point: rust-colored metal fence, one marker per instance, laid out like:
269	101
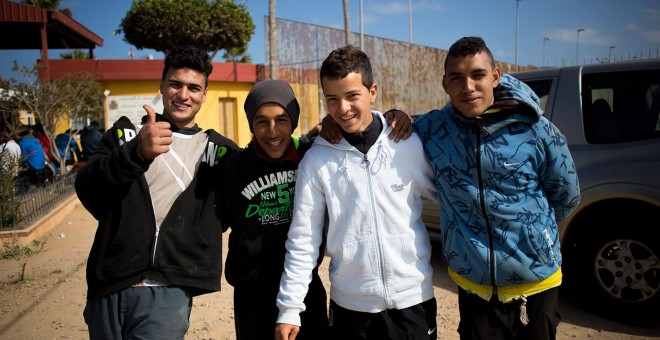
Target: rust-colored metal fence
409	76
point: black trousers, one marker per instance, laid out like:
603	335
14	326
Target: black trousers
481	319
412	323
255	312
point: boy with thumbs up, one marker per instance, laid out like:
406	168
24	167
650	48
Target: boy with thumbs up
151	187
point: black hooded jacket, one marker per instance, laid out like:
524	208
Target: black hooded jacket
188	249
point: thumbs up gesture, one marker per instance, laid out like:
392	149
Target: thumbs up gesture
154	137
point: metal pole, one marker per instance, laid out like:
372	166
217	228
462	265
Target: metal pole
544	54
577	48
516	57
410	20
361	28
609	55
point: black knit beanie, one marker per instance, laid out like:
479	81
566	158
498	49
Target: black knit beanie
272	91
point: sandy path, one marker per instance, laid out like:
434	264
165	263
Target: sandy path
49	305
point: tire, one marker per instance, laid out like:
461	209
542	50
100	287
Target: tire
619	271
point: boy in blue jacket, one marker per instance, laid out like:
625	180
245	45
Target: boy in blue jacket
505	179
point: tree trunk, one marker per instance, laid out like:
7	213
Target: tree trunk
272	38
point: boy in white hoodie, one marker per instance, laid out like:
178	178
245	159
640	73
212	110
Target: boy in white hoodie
371	189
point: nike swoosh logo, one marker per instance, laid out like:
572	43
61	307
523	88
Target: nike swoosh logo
432	330
510	164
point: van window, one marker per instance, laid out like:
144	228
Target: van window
621	106
542	90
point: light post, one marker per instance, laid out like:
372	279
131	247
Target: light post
516	57
544	40
577	48
410	20
609	55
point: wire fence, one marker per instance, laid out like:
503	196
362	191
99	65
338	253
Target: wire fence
25	208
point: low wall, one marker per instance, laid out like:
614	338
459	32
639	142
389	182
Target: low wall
41	227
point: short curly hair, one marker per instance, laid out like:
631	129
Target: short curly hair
345	60
186	56
467	46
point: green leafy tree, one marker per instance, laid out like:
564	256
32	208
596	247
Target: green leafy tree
210	25
55	103
9	168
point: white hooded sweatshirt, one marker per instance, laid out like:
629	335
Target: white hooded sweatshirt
379	248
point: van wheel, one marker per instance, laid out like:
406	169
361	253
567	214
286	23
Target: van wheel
622	273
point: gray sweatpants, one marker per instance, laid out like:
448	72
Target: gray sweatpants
140	313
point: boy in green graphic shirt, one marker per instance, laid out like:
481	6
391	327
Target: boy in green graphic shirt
259	184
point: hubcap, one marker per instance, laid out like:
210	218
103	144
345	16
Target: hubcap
628	271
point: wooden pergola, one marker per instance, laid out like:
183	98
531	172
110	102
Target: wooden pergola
27	27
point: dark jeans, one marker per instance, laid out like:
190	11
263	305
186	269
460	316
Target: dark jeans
140	313
481	319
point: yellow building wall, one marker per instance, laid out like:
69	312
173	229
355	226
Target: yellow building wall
209	117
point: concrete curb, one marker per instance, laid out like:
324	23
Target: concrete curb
43	225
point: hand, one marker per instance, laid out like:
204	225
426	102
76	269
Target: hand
331	131
401	124
284	331
154	137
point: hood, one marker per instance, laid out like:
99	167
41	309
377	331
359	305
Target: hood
511	88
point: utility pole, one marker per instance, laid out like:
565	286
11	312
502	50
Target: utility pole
544	54
516	57
577	47
361	28
410	20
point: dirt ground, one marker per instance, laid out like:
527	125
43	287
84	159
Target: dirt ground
49	304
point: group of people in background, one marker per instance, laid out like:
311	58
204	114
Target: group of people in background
33	158
164	190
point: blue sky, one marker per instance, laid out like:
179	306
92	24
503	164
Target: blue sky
632	26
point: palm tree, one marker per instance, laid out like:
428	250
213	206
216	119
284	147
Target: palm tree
272	38
75	54
236	55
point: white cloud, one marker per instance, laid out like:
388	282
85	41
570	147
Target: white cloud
588	36
502	54
401	7
391	8
567	34
428	5
652	13
653	36
375	9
